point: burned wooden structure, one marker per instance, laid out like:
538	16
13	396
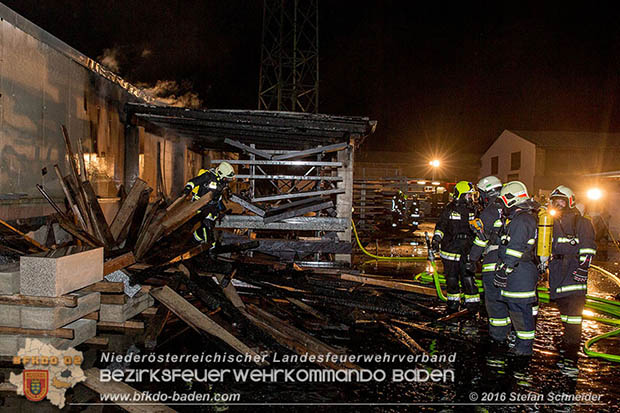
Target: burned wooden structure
295	169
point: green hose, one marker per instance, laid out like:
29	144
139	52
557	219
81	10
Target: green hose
600	305
378	257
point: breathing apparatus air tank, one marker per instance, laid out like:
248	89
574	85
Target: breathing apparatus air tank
545	233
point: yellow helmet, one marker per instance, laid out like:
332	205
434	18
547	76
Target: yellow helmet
462	188
225	170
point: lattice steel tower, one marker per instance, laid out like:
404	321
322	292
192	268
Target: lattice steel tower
289	69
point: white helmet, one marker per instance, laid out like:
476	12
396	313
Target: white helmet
514	193
489	183
564	192
225	170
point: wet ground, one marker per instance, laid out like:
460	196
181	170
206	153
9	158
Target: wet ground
485	378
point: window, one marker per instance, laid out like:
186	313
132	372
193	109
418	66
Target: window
513	177
494	165
515	161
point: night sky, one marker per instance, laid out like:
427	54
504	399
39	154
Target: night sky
436	77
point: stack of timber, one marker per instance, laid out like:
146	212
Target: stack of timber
47	296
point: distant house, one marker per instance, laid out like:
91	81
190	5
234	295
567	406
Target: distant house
545	159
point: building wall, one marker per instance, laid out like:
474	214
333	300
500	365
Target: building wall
503	146
44	84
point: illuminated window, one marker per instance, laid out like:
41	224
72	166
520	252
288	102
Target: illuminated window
494	165
515	161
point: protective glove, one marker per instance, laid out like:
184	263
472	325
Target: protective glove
501	277
580	275
470	266
186	190
435	244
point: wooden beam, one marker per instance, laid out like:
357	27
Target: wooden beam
96	213
390	284
83	236
24	236
105	287
298	212
113	299
59	332
118	263
72	204
200	321
126	211
29	300
126	325
247	205
94	383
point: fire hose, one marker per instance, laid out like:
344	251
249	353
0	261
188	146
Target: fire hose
379	257
597	304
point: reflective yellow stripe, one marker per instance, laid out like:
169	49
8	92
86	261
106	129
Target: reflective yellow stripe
571	319
488	267
449	256
213	185
572	287
535	310
454	297
190	184
526	335
455	215
514	253
196	237
499	322
475	298
518	294
497	223
481	243
439	232
531	241
583	251
566	239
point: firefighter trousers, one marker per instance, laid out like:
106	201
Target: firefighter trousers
571	309
524	325
499	318
454	272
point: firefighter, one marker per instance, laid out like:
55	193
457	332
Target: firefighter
453	238
516	273
486	245
573	249
215	181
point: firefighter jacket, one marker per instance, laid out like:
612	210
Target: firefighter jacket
487	245
516	254
453	230
205	182
573	243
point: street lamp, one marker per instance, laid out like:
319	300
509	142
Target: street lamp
435	163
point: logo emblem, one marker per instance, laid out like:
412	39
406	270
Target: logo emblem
36	384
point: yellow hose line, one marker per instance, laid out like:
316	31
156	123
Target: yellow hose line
607	273
378	257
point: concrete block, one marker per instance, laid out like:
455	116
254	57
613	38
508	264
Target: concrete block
83	330
122	312
56	317
9	279
58	272
39	235
10	315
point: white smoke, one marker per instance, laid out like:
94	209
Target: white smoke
110	58
172	93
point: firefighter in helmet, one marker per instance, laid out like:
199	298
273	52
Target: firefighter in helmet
453	238
486	246
214	181
573	249
516	273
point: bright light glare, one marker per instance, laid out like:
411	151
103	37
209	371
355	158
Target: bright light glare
588	313
594	194
435	183
421	182
552	212
435	163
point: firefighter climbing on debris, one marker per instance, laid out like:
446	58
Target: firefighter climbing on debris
453	237
212	181
573	249
486	246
